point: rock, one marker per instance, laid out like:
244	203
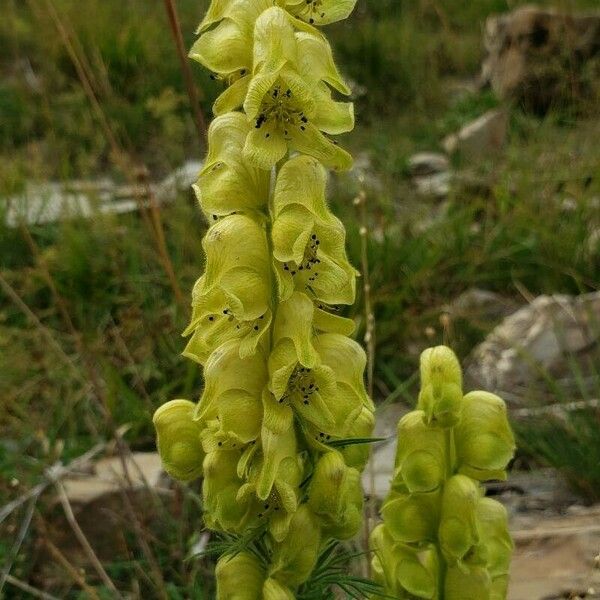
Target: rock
542	58
483	137
98	503
437	185
430	172
52	201
481	306
427	163
107	477
534	344
378	474
554	557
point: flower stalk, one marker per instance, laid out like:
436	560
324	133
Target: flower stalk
284	383
440	537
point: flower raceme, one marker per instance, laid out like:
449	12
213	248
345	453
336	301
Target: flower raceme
440	537
283	379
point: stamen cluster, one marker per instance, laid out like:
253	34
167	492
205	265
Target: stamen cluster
283	379
440	537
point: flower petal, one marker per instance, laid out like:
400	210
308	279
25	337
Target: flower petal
316	61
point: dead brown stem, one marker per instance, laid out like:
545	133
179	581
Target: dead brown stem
192	90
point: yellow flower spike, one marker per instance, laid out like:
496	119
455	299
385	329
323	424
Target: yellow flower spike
473	585
239	577
484	441
178	440
288	99
459	533
421	457
335	496
320	12
410	517
495	537
441	386
231	300
436	508
294	558
232	407
227	183
308	241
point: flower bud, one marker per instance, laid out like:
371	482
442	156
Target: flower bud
178	440
470	584
484	441
412	517
441	386
421	456
239	577
495	537
458	532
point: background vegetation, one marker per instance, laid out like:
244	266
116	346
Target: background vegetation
89	319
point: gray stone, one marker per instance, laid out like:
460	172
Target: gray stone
427	163
42	203
481	306
535	344
540	58
481	138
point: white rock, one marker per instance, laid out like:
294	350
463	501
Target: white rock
483	137
427	163
536	342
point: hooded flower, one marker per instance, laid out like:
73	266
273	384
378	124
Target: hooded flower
459	532
279	505
289	95
225	46
239	577
308	241
178	440
320	12
231	300
231	406
495	538
484	441
421	457
336	497
412	517
220	489
441	386
351	407
473	584
227	183
294	558
404	571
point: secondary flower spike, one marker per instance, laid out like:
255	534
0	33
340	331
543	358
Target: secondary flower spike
440	537
280	433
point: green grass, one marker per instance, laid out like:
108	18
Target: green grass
509	233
